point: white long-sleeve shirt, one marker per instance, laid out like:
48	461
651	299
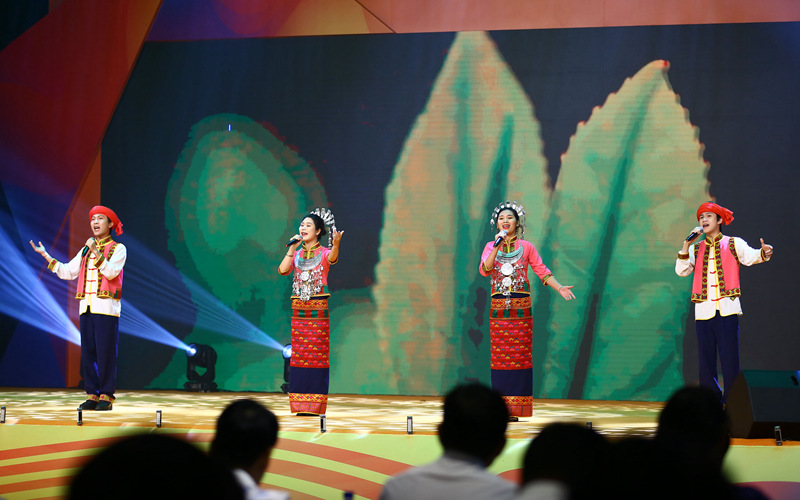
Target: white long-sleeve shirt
726	306
110	268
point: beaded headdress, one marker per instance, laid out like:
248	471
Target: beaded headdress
327	218
517	207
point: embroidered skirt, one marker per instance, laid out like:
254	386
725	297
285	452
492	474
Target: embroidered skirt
511	331
309	367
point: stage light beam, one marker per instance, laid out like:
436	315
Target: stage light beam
133	322
27	299
161	283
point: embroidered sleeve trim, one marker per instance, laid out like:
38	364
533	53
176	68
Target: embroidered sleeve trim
52	264
683	256
105	294
546	278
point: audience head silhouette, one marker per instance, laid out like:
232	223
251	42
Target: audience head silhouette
694	424
475	421
570	454
246	434
154	465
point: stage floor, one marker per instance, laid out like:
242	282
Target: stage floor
346	413
366	440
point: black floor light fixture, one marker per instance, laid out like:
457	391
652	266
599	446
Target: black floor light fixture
200	356
287	357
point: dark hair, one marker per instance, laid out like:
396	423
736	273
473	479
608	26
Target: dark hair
318	224
475	421
694	423
145	464
245	431
569	453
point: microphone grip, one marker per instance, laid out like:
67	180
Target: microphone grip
692	236
292	242
500	238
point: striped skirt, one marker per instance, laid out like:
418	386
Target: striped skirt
309	367
511	331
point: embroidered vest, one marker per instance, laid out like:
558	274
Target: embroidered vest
727	263
107	289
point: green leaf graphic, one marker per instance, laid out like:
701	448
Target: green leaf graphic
234	197
475	143
628	187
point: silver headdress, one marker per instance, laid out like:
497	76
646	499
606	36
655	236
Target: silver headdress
327	218
517	207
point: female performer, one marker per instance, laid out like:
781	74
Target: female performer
309	367
506	260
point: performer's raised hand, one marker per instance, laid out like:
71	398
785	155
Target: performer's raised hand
766	249
92	244
566	292
337	237
696	232
39	249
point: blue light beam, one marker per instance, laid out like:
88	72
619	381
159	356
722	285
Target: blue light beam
133	322
26	298
158	289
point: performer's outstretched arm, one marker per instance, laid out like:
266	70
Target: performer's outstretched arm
333	255
41	251
564	290
68	271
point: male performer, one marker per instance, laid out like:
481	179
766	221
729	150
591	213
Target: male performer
98	267
715	292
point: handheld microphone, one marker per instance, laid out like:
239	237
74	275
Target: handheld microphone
292	242
693	235
499	239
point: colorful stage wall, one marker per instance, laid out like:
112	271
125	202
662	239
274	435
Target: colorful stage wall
610	137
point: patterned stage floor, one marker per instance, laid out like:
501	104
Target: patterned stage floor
365	443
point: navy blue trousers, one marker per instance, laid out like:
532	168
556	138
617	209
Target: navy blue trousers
718	334
99	341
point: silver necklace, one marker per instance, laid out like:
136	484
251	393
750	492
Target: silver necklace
308	264
509	258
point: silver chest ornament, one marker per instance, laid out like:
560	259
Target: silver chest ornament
507	270
308	282
508	277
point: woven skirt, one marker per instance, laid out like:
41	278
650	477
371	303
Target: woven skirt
309	367
511	331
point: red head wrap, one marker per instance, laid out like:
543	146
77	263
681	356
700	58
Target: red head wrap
727	215
99	209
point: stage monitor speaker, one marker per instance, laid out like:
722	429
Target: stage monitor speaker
761	399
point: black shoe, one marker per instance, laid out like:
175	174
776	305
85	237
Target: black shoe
89	404
511	418
105	404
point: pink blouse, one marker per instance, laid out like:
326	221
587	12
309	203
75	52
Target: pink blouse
518	270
